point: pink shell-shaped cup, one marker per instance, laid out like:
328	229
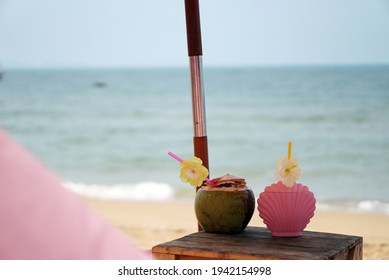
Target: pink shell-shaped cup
286	211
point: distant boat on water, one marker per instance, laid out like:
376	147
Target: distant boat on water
100	84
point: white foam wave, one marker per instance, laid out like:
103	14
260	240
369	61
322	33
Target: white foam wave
362	206
163	191
138	191
373	206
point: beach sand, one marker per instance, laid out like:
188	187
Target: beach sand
148	223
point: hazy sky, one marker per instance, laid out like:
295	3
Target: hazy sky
127	33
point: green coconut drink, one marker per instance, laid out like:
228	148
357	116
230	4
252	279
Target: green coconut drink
227	208
222	205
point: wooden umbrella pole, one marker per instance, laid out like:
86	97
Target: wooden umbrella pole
195	52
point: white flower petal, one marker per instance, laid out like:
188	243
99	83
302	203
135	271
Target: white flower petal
287	171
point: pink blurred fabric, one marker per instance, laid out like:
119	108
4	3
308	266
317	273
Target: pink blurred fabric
40	219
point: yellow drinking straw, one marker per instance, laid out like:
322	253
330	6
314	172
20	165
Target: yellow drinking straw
289	149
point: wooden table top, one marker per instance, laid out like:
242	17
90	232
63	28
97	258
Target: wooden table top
258	243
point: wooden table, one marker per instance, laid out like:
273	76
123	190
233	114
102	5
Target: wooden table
256	243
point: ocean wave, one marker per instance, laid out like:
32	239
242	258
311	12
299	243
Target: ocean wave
362	206
373	206
137	191
157	191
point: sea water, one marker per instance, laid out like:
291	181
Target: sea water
106	133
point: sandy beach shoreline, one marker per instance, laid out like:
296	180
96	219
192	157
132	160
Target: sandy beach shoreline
148	223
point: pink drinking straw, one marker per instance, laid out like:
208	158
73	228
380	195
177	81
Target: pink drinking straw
177	158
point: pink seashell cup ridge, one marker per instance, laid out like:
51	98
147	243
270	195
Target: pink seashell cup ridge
286	211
